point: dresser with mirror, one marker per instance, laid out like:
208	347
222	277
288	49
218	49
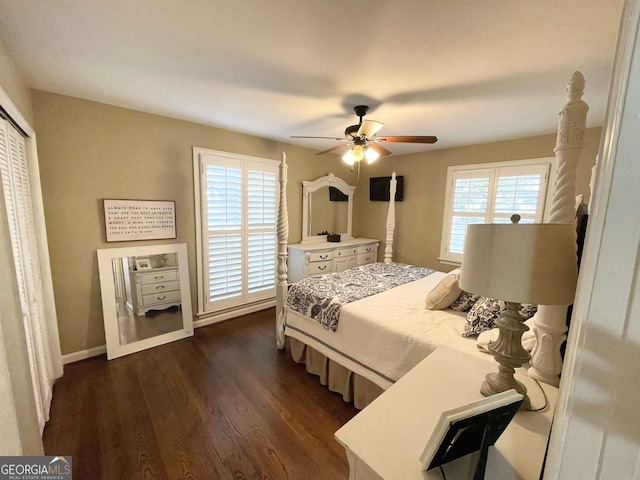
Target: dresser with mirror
327	212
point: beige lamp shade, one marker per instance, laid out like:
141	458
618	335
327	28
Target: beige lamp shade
521	263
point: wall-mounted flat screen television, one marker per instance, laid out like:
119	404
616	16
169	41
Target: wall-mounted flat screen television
379	188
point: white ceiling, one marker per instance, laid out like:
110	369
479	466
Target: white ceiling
467	71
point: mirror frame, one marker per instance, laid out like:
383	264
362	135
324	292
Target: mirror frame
307	189
109	311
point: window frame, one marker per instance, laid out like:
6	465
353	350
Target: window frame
455	171
247	302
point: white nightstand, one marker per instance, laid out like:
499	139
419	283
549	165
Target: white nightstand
386	439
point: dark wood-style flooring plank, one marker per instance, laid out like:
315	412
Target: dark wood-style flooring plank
225	404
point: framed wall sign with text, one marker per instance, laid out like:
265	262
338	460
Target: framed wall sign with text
127	220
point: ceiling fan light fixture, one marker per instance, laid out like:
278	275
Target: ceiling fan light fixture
357	153
348	158
371	155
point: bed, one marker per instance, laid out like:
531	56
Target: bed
375	340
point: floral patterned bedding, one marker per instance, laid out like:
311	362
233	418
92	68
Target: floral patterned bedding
321	298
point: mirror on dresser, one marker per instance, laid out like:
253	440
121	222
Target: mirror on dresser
146	299
327	206
329	211
324	209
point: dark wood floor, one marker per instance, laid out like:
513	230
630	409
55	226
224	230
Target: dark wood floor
225	404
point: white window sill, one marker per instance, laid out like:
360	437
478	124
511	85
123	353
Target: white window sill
446	261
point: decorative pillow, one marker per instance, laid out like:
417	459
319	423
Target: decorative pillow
464	302
482	315
445	292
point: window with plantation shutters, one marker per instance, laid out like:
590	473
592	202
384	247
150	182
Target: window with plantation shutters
237	229
491	193
261	225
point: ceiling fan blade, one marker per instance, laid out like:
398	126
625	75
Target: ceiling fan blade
328	138
333	149
383	152
369	128
407	139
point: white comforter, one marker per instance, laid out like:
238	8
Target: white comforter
383	336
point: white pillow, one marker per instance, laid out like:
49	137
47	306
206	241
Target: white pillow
445	292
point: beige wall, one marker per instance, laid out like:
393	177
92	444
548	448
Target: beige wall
419	216
90	151
15	85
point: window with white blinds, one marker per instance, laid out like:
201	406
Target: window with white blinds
237	228
491	193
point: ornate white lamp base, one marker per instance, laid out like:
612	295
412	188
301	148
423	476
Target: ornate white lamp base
509	353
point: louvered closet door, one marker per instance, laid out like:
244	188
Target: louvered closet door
17	199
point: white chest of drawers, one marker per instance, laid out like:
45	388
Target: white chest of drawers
155	289
306	260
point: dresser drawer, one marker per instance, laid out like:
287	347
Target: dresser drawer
345	252
365	258
366	249
153	288
157	298
320	268
320	256
156	277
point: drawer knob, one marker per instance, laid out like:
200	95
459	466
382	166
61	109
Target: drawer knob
158	277
367	258
159	287
322	267
162	297
324	257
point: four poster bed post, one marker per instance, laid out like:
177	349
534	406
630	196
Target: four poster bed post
549	324
391	219
282	233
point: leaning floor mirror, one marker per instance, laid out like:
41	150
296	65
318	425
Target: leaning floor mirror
146	300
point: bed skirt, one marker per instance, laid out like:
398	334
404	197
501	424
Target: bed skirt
353	387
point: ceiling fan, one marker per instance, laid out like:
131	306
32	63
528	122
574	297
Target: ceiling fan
363	142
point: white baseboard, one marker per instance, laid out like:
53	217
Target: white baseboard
84	354
215	317
206	319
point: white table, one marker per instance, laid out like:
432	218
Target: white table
386	439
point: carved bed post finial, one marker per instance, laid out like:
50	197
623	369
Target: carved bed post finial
572	121
391	220
549	323
282	232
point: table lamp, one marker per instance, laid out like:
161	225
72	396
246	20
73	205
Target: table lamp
518	263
